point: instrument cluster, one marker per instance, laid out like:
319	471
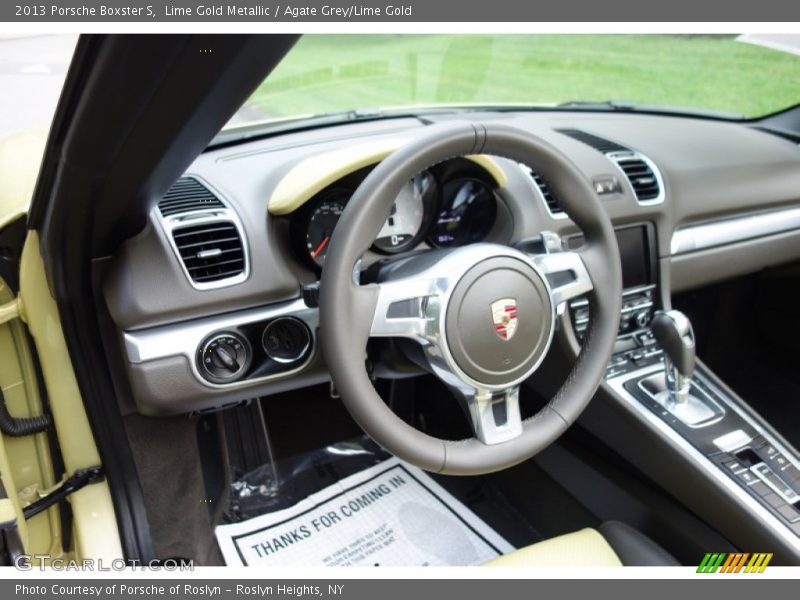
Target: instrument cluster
435	209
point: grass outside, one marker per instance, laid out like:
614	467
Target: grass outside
329	73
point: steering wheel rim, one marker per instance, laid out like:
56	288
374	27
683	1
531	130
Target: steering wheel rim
347	309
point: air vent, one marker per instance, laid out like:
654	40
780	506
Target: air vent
640	171
186	195
546	191
642	178
594	141
211	252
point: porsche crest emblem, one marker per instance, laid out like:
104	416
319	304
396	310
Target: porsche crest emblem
504	317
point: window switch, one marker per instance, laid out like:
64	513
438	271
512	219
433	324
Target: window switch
773	480
792	475
779	461
767	452
760	489
774	500
734	466
789	512
746	477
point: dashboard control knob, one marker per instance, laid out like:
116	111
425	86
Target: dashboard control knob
286	340
224	357
643	318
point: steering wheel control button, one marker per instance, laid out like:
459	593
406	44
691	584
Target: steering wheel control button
286	340
224	357
499	321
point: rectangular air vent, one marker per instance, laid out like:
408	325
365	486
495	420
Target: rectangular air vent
210	252
641	173
549	197
642	178
596	142
186	195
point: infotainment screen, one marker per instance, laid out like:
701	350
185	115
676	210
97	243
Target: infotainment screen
635	254
634	251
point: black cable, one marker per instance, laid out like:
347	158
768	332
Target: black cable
21	426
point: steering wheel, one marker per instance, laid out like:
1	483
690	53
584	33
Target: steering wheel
484	314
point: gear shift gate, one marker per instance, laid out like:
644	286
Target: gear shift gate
674	389
697	410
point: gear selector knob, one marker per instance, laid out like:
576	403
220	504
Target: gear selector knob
673	332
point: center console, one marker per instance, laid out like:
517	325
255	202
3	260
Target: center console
635	345
653	372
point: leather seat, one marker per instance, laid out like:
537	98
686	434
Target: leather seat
613	544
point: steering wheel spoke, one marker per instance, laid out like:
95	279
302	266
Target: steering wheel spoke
495	416
567	274
409	308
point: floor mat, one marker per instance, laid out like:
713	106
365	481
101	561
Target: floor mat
390	514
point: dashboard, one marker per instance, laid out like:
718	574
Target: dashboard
214	301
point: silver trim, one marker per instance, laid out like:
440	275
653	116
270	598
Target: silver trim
732	441
425	297
690	407
184	339
200	217
617	157
617	384
529	176
481	410
430	291
732	230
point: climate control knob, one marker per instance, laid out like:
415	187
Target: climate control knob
224	357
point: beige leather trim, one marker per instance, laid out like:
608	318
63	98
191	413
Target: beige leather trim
584	548
312	175
94	521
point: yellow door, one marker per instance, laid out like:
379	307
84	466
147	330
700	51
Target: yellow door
37	382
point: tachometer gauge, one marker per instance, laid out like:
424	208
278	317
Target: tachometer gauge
321	224
403	228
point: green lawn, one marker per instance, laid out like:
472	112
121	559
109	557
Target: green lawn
326	73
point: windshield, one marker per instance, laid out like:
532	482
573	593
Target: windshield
743	76
32	73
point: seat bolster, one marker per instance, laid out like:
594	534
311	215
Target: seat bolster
584	548
634	548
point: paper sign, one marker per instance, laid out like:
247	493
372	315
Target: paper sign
389	514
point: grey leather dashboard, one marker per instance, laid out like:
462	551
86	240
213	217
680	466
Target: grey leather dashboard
717	176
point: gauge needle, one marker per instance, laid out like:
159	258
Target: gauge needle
321	246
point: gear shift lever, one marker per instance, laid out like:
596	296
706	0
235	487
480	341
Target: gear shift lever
673	332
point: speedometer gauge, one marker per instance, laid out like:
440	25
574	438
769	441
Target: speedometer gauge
403	228
321	224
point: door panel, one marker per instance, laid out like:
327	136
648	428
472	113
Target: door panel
95	530
25	463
